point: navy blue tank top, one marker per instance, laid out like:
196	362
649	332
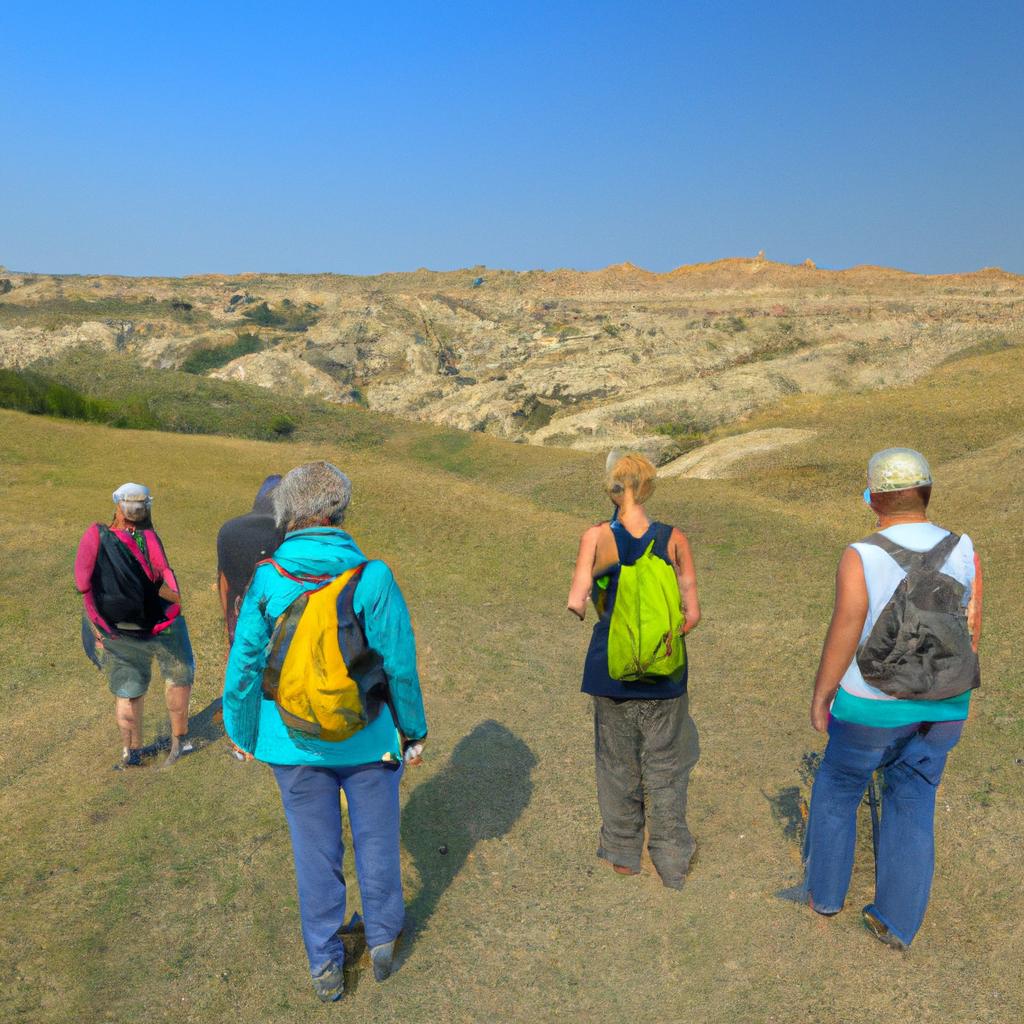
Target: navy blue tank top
596	680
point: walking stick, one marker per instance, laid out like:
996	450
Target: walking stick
873	803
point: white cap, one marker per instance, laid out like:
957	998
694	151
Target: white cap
132	492
897	469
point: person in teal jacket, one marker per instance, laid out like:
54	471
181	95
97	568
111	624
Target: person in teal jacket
310	504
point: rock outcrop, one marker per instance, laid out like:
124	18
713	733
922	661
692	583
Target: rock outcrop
616	357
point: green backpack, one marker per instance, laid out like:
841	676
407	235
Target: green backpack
645	641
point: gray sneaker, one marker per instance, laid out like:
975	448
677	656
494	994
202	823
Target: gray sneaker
180	746
329	984
382	959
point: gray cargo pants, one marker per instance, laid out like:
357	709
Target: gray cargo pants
645	751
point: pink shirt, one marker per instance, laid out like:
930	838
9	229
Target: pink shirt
156	568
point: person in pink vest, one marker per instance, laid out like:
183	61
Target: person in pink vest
132	615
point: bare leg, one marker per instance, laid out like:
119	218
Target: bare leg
177	709
128	711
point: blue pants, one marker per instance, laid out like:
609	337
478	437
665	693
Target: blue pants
312	805
911	759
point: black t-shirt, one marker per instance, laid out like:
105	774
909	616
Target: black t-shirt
241	543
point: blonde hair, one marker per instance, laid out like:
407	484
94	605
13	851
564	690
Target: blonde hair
634	473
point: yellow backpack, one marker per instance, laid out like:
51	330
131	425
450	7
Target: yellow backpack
318	657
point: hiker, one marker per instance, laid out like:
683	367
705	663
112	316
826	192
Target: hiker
892	699
322	685
241	543
133	615
645	740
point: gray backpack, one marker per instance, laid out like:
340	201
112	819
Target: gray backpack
919	647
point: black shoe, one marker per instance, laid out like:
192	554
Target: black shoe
882	933
329	984
131	757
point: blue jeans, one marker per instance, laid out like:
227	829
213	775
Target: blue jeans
911	759
312	805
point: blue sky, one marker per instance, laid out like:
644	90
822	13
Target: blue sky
352	137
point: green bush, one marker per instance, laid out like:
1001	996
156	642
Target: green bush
204	359
282	425
288	317
52	314
125	394
28	392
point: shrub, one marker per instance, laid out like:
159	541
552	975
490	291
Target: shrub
282	425
202	360
28	392
288	318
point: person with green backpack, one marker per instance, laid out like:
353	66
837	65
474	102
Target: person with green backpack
641	576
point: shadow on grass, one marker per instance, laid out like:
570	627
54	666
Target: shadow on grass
204	728
479	794
789	809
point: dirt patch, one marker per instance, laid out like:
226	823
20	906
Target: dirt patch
719	459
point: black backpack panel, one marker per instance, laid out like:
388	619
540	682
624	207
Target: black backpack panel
920	647
121	589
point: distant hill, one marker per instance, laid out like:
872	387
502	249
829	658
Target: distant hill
590	360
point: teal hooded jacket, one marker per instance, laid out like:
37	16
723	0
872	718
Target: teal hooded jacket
254	723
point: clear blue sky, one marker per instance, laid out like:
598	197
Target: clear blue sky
174	138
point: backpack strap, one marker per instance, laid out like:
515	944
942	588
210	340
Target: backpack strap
903	557
907	559
615	525
936	558
297	577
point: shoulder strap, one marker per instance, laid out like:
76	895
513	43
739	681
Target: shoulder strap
907	559
936	558
617	535
903	557
664	534
297	577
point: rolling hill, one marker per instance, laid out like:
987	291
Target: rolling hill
170	896
587	360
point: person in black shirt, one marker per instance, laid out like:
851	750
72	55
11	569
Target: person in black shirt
241	543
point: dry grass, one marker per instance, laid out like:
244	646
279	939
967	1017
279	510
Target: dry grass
170	896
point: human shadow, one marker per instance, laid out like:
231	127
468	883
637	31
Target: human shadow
790	804
204	728
479	794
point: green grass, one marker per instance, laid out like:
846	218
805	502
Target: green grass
210	357
170	896
33	393
185	403
54	313
286	317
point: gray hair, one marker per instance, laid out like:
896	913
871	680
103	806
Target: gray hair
310	494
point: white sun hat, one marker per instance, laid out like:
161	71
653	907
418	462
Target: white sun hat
896	469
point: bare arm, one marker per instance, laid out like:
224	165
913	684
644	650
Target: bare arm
222	589
974	607
686	574
583	575
851	609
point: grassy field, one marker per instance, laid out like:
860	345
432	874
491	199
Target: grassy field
154	896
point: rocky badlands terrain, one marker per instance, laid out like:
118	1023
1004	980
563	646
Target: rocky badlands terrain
592	360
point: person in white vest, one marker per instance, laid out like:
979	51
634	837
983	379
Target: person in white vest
903	720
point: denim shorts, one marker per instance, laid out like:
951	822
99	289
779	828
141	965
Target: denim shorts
128	662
